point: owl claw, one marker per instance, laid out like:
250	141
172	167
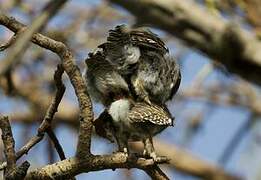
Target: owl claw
156	159
159	159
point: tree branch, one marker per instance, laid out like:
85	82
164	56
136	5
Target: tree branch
12	172
238	50
9	143
72	166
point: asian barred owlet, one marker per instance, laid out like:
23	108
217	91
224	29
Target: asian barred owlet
133	75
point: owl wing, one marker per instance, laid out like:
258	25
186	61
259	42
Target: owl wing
142	112
124	46
102	77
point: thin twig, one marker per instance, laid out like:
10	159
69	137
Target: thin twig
56	143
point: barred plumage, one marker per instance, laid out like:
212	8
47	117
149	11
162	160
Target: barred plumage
140	37
104	83
143	60
142	112
137	121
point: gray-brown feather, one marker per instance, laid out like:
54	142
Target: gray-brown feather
142	58
104	83
159	76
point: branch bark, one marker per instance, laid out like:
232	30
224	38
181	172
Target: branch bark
72	166
9	144
225	42
11	172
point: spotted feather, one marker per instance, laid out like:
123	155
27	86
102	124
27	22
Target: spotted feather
142	112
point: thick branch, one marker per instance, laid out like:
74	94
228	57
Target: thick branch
235	48
74	166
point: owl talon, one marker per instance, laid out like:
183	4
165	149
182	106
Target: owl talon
159	159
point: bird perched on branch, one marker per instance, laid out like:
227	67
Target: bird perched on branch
124	119
133	76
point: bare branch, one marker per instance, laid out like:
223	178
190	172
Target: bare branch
73	166
56	143
12	172
224	42
55	102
